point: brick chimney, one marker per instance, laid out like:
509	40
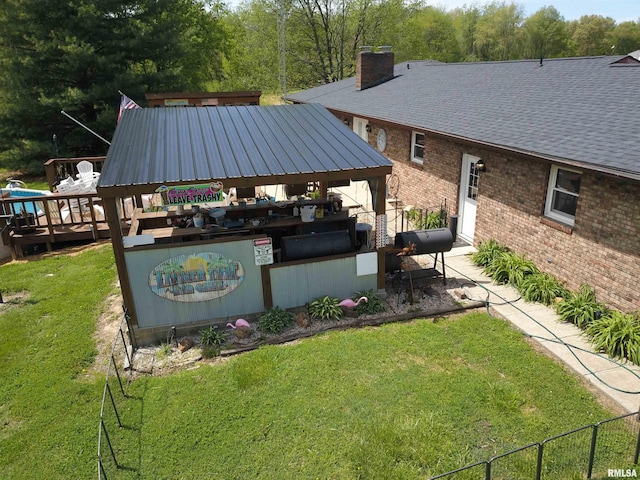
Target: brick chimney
373	68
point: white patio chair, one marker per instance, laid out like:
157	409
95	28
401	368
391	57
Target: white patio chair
85	170
68	186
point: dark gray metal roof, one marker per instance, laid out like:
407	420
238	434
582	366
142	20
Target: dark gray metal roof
581	110
246	145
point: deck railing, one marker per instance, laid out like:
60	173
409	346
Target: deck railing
57	218
57	169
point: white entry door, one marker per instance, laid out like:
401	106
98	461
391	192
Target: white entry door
468	197
360	127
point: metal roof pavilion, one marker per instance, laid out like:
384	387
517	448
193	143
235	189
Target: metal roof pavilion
240	145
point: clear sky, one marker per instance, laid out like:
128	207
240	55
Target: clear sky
619	10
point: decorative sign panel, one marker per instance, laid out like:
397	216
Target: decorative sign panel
184	194
176	102
196	278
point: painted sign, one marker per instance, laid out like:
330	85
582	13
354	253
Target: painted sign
184	194
263	251
196	278
176	102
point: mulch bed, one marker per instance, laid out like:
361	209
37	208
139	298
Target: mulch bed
431	298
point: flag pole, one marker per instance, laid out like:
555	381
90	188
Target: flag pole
85	127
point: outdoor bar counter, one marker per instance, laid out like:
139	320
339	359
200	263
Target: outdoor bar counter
273	219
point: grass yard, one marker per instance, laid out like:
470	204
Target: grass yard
400	401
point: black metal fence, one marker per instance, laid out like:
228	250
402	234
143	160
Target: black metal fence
609	448
403	219
113	394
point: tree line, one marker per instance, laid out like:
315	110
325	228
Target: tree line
75	55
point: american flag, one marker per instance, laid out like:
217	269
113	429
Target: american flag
125	104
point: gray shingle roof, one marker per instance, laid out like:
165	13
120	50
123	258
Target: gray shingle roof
155	146
583	110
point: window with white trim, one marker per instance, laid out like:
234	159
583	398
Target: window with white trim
417	147
562	194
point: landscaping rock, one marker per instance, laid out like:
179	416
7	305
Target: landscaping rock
185	344
303	320
242	332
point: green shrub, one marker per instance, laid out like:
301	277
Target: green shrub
275	320
374	304
210	351
543	288
325	308
164	350
435	219
617	334
212	337
509	267
487	252
581	308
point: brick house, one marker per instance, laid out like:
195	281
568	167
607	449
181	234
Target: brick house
542	156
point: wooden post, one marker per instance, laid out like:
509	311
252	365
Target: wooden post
115	231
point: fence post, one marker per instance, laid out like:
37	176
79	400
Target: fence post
113	402
635	456
592	452
126	350
132	338
115	367
113	454
487	471
539	465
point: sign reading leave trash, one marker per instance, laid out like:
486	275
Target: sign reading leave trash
184	194
263	251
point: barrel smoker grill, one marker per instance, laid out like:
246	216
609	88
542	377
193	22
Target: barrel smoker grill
435	241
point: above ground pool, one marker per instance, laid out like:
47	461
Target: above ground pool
30	207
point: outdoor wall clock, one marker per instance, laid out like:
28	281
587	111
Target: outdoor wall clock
382	140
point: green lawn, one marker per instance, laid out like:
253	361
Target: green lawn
400	401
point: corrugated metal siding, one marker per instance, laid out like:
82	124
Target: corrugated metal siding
154	311
336	278
174	145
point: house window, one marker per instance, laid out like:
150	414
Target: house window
417	147
562	195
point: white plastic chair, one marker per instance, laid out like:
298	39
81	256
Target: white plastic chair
68	186
85	170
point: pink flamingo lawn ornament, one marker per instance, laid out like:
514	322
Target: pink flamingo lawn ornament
240	323
348	303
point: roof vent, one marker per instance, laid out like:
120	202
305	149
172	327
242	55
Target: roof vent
384	48
365	48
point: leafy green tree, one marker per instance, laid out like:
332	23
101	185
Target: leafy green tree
430	34
544	34
465	21
74	55
254	55
625	38
497	35
590	35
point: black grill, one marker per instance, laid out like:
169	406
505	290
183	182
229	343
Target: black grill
417	242
436	240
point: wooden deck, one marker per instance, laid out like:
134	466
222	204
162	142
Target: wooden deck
61	219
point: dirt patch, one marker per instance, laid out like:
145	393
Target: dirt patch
105	334
10	301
